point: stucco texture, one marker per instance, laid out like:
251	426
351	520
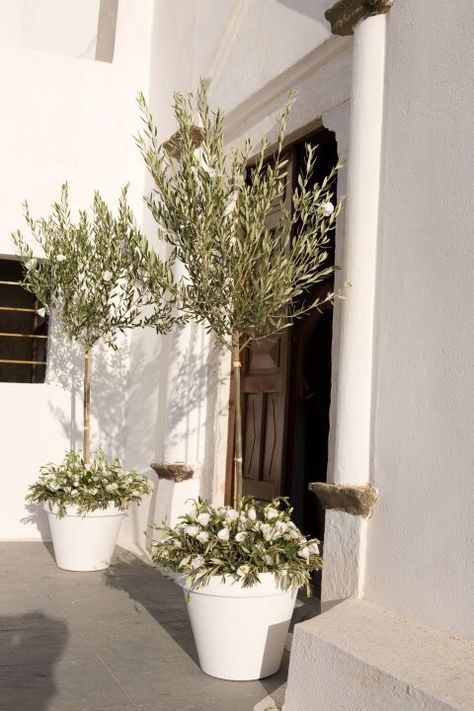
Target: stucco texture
421	537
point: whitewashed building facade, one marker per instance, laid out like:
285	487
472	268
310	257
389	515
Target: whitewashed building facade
393	83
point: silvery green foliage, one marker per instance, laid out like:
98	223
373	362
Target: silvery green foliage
241	276
94	274
238	543
91	487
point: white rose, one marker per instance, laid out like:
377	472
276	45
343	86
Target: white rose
241	536
75	493
272	513
304	552
252	514
313	548
232	514
93	491
327	208
111	487
60	258
107	276
203	537
223	534
203	519
293	533
267	531
196	562
191	530
243	570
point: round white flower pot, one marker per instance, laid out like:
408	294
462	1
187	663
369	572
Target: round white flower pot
240	633
84	541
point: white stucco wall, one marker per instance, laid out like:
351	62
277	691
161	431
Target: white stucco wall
421	537
64	118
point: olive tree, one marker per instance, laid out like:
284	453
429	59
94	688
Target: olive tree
93	276
243	280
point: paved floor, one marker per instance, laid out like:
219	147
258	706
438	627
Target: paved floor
113	640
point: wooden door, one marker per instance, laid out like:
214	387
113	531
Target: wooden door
264	403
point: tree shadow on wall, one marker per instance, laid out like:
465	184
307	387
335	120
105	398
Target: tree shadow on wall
193	400
108	392
30	646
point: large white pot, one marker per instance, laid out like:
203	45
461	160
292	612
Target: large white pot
240	633
84	541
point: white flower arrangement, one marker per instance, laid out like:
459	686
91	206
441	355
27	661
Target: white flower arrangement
241	543
90	487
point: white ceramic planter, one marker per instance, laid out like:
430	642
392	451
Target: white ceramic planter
240	633
84	541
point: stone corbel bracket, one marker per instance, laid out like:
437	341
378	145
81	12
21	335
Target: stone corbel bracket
345	14
178	471
355	500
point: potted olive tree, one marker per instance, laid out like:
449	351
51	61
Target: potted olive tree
243	281
92	277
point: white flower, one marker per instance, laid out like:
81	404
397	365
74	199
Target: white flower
223	534
313	548
304	552
268	559
107	276
75	493
271	513
196	562
41	312
327	208
191	530
60	258
31	263
294	533
203	537
267	531
232	514
252	514
243	570
93	491
203	518
241	536
112	487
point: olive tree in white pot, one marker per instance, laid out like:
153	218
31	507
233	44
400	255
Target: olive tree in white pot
242	565
93	278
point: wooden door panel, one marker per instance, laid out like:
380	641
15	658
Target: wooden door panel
264	407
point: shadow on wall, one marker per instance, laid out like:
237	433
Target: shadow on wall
192	403
108	392
30	646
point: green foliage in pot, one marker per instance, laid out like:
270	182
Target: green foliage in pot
238	544
243	280
87	487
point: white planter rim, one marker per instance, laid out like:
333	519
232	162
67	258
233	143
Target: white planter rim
73	511
268	586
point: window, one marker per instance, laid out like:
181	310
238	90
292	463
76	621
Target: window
23	331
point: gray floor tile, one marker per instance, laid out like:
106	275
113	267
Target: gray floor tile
117	639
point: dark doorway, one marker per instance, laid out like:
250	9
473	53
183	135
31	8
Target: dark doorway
310	367
286	390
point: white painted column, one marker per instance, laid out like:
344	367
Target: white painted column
345	535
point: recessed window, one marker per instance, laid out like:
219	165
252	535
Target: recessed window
23	331
76	28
